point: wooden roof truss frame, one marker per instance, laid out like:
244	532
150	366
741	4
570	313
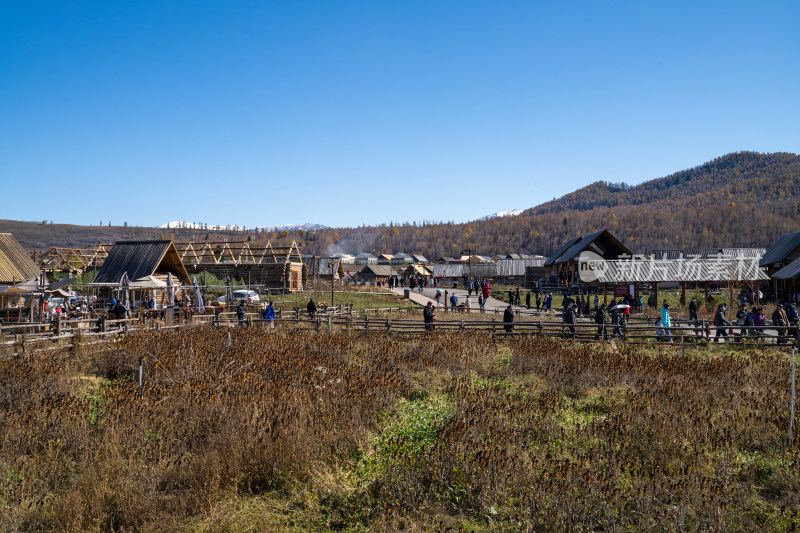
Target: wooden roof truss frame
239	253
73	259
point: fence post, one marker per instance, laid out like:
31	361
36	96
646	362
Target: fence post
791	409
141	374
388	325
494	325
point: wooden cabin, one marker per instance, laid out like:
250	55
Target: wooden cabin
782	264
365	258
140	259
375	273
563	267
418	271
274	265
156	258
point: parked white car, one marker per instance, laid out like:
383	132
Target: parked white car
241	294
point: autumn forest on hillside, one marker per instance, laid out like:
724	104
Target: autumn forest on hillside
743	199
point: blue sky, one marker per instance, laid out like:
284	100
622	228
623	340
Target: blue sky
349	113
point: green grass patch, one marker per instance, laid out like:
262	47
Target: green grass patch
411	430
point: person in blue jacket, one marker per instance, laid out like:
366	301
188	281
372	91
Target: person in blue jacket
269	315
665	320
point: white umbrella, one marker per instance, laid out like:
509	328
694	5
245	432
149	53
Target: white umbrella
148	282
170	290
198	298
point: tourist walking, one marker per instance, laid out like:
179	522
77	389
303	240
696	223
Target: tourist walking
693	309
600	320
665	320
791	313
721	323
240	313
759	321
269	316
508	319
616	322
570	319
780	320
429	316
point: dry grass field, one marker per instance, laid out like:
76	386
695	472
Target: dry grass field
298	430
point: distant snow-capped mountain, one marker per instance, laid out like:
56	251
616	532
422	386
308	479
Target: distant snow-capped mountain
509	213
180	224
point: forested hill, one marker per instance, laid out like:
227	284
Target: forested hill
741	177
738	200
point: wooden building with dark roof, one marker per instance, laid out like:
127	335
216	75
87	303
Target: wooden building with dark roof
375	273
785	250
563	266
140	259
782	264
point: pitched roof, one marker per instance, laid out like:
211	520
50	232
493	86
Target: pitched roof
140	259
15	263
516	267
553	258
60	284
705	253
457	270
422	270
782	247
790	271
584	242
678	270
379	270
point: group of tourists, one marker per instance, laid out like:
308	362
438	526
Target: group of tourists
267	314
752	321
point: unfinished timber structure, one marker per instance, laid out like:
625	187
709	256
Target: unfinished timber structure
74	260
276	265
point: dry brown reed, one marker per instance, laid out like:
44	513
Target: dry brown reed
527	434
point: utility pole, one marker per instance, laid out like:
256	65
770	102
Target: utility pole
332	262
469	260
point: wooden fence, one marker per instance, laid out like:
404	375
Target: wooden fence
59	334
